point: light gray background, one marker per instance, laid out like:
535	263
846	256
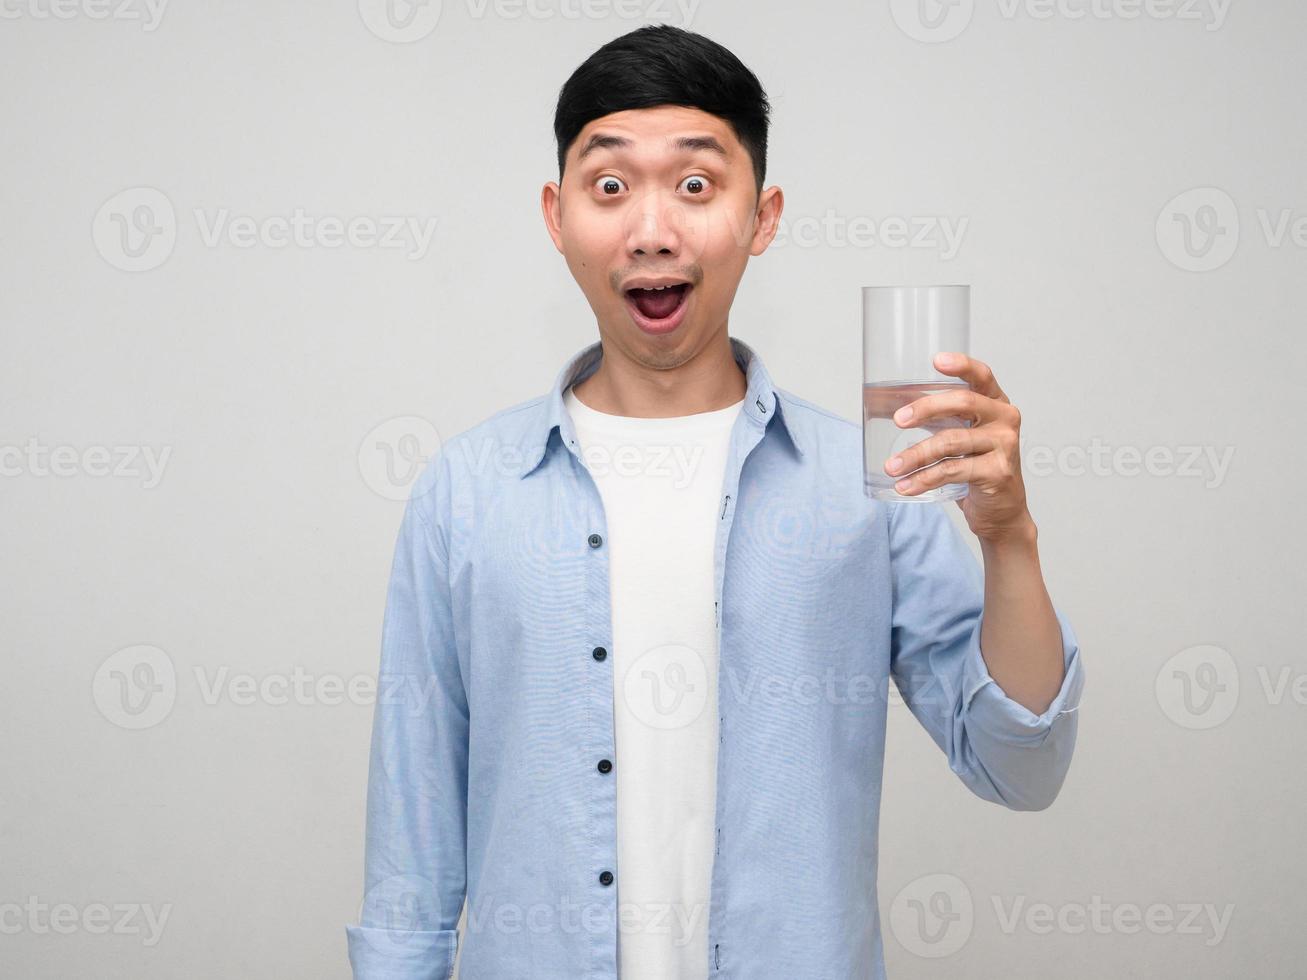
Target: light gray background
1065	143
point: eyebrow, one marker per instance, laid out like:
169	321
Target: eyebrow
605	141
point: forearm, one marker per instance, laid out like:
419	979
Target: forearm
1020	638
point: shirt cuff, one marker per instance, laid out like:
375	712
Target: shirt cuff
988	706
389	954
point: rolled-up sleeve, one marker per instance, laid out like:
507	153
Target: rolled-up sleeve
1001	750
415	863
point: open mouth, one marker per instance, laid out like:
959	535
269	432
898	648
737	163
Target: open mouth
658	310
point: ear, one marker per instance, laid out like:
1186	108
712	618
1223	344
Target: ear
768	217
551	205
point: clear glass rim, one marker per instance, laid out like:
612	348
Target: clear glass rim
942	285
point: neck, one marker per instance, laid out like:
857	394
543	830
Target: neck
708	380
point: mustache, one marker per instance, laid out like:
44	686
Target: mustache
692	273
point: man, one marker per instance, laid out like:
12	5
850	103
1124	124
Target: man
639	632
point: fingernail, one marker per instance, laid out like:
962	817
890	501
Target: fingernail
895	464
904	413
948	359
902	485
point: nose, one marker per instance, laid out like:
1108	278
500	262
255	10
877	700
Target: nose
655	226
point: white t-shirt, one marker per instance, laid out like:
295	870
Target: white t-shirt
661	485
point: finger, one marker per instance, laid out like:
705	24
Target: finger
975	372
955	469
949	442
957	403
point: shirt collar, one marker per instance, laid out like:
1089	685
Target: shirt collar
761	402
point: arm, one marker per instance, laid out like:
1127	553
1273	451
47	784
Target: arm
1002	750
1021	639
1006	718
415	864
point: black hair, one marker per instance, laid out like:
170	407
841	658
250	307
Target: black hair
659	64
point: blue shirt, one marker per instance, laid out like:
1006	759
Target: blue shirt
495	702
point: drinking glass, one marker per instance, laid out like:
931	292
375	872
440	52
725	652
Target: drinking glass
903	328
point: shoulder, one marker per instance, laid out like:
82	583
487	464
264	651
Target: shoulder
817	426
488	451
812	413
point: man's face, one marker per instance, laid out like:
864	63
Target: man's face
661	196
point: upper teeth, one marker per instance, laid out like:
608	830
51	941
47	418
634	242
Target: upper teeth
650	289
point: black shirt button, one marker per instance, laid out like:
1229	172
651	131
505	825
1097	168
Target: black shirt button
605	877
595	540
605	765
599	653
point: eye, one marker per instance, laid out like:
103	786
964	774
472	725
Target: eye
609	185
696	184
